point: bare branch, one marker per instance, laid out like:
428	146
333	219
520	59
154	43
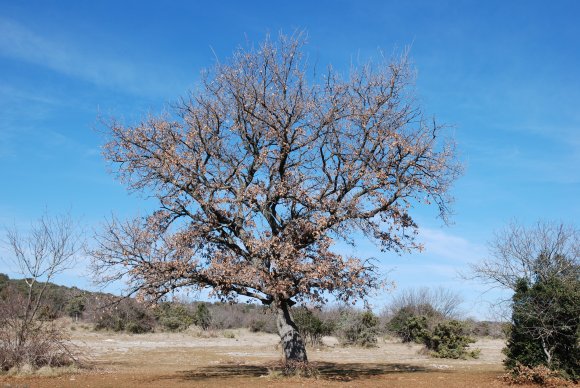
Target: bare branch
538	252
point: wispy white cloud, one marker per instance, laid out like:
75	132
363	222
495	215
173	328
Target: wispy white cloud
448	246
85	62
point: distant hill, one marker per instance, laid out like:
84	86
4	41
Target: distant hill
57	300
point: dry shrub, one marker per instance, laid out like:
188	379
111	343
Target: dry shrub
198	332
45	345
490	329
28	339
28	342
237	316
540	375
229	316
300	369
122	314
437	304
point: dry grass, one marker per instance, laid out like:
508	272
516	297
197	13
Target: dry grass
215	359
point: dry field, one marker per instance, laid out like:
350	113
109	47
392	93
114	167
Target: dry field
214	359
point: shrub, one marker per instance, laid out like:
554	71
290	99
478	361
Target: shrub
173	317
541	375
257	325
264	326
545	326
202	316
412	322
138	327
449	340
414	329
359	329
311	327
490	329
47	345
33	342
236	316
435	304
408	326
124	315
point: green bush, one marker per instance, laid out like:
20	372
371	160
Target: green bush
450	340
412	329
173	317
76	306
545	328
202	316
311	328
359	329
138	327
411	323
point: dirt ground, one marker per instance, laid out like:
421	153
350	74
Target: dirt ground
215	359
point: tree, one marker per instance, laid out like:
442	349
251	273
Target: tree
438	303
76	306
541	265
534	253
260	171
546	326
51	246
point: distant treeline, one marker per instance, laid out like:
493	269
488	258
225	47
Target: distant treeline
108	312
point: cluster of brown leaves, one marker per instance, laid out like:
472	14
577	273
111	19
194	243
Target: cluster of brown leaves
540	375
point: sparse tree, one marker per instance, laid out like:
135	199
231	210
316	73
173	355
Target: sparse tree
261	170
541	265
50	247
438	302
535	253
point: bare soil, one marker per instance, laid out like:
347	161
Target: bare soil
213	359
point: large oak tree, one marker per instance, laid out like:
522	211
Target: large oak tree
262	169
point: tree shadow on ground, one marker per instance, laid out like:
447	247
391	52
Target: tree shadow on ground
325	370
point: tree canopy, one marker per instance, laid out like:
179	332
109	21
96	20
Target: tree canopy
264	167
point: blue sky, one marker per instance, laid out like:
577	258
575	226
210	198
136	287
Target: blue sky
505	75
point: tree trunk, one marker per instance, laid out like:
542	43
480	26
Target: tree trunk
547	352
292	342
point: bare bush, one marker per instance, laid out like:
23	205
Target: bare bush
235	316
426	302
537	253
45	344
491	329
